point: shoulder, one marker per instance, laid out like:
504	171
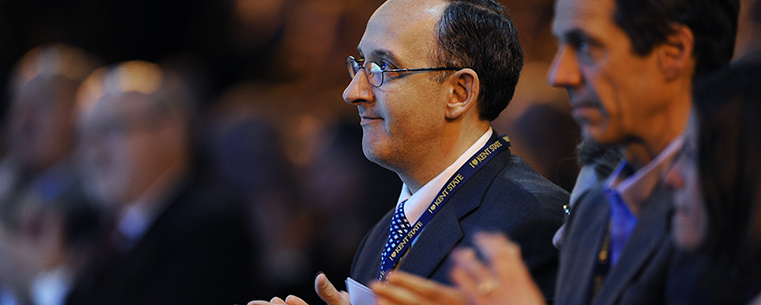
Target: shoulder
517	196
518	181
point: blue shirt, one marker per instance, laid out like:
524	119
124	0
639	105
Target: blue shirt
628	192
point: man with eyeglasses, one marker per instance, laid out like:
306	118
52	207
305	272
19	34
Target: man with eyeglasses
430	76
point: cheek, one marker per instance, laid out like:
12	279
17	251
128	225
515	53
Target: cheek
108	168
400	110
610	97
598	121
636	99
147	157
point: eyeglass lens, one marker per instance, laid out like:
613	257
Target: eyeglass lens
372	69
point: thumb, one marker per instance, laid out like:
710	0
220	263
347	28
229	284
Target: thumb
328	292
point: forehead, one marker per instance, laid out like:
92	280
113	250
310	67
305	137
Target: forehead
588	16
403	29
114	107
43	90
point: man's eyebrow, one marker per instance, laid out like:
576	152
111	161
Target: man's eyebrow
381	54
574	35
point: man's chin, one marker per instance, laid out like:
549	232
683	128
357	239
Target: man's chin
369	152
599	136
590	134
373	155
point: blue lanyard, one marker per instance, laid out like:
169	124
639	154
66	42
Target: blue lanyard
465	172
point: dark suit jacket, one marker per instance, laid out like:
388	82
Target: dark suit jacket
506	195
646	263
196	252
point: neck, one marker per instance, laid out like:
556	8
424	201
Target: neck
640	152
444	151
662	127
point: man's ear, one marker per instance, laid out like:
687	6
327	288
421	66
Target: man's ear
675	55
465	91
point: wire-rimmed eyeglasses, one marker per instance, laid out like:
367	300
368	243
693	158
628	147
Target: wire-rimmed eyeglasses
374	71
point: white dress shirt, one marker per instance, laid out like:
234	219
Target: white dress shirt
417	203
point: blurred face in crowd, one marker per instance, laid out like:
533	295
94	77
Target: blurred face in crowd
401	118
614	92
42	123
122	147
690	221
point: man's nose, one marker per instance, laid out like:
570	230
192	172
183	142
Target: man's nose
564	71
359	89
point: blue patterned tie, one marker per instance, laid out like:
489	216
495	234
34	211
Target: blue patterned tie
398	229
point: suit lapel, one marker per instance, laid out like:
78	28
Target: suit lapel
432	247
650	234
444	232
366	264
581	247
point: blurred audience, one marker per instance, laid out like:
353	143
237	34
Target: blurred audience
47	226
245	156
167	238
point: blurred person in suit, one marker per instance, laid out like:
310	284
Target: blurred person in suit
47	226
167	239
629	68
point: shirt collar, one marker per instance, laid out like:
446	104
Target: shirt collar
417	203
135	218
635	187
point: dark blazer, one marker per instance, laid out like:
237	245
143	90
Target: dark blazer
196	252
646	262
505	195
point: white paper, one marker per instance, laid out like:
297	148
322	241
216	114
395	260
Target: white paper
359	294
